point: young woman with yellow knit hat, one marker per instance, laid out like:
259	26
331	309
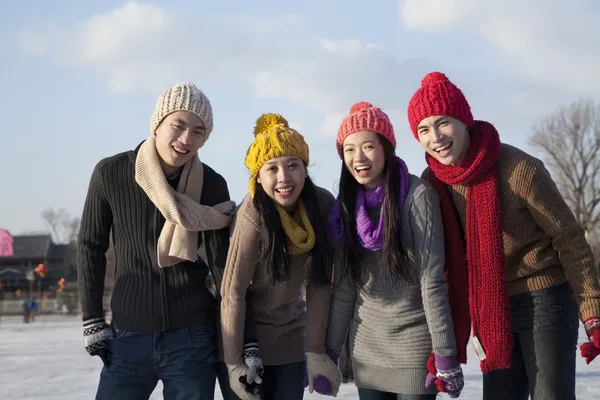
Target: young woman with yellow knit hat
391	293
279	251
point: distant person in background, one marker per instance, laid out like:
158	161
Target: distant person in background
160	203
33	308
516	257
26	311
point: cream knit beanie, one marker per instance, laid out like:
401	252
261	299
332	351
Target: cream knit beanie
184	96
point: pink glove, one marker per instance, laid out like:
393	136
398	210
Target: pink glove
590	350
446	373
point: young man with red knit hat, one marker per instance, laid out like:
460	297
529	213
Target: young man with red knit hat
514	243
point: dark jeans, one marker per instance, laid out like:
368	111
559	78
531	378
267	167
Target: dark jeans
279	382
371	394
545	325
184	360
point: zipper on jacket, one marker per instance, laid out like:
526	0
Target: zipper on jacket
161	274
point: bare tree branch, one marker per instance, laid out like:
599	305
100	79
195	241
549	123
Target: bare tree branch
570	141
63	227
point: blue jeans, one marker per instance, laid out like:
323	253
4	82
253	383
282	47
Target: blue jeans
371	394
184	360
545	325
279	382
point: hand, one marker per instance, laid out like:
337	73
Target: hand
446	373
238	374
322	373
321	384
96	333
590	350
254	363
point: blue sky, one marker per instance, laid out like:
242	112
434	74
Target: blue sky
81	79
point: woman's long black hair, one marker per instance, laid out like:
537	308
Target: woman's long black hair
273	251
394	254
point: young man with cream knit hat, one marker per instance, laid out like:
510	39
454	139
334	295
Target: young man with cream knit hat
514	243
160	203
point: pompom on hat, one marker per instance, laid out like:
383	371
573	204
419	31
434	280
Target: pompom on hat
273	138
438	96
365	116
184	96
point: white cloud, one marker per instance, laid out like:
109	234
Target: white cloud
143	47
550	41
331	123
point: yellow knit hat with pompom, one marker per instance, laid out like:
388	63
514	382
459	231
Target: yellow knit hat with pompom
273	138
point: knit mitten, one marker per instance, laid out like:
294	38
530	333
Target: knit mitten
446	373
254	363
255	366
238	374
96	333
322	373
590	350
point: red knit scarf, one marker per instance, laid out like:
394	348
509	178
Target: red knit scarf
486	303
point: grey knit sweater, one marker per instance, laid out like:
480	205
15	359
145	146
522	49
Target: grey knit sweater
394	324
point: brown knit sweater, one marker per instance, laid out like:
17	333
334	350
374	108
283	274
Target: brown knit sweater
286	327
543	243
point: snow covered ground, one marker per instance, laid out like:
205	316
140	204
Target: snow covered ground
46	360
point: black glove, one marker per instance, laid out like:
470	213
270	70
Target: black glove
96	333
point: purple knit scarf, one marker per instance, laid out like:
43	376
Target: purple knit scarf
369	234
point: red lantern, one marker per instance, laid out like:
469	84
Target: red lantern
41	270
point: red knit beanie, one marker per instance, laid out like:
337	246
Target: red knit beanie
365	117
437	96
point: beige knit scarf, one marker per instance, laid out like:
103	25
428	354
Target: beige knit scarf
184	215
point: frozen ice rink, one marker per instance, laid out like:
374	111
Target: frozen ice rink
46	360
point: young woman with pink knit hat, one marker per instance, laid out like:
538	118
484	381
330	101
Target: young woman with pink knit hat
515	255
391	294
279	252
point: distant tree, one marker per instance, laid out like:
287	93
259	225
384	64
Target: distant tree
570	141
63	227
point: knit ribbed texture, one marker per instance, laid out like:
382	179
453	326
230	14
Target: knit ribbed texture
286	326
437	96
185	216
484	306
184	96
544	245
365	116
300	235
145	297
393	323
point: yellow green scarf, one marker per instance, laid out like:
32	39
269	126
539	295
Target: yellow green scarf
300	235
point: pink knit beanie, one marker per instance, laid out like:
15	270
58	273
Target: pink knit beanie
365	117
